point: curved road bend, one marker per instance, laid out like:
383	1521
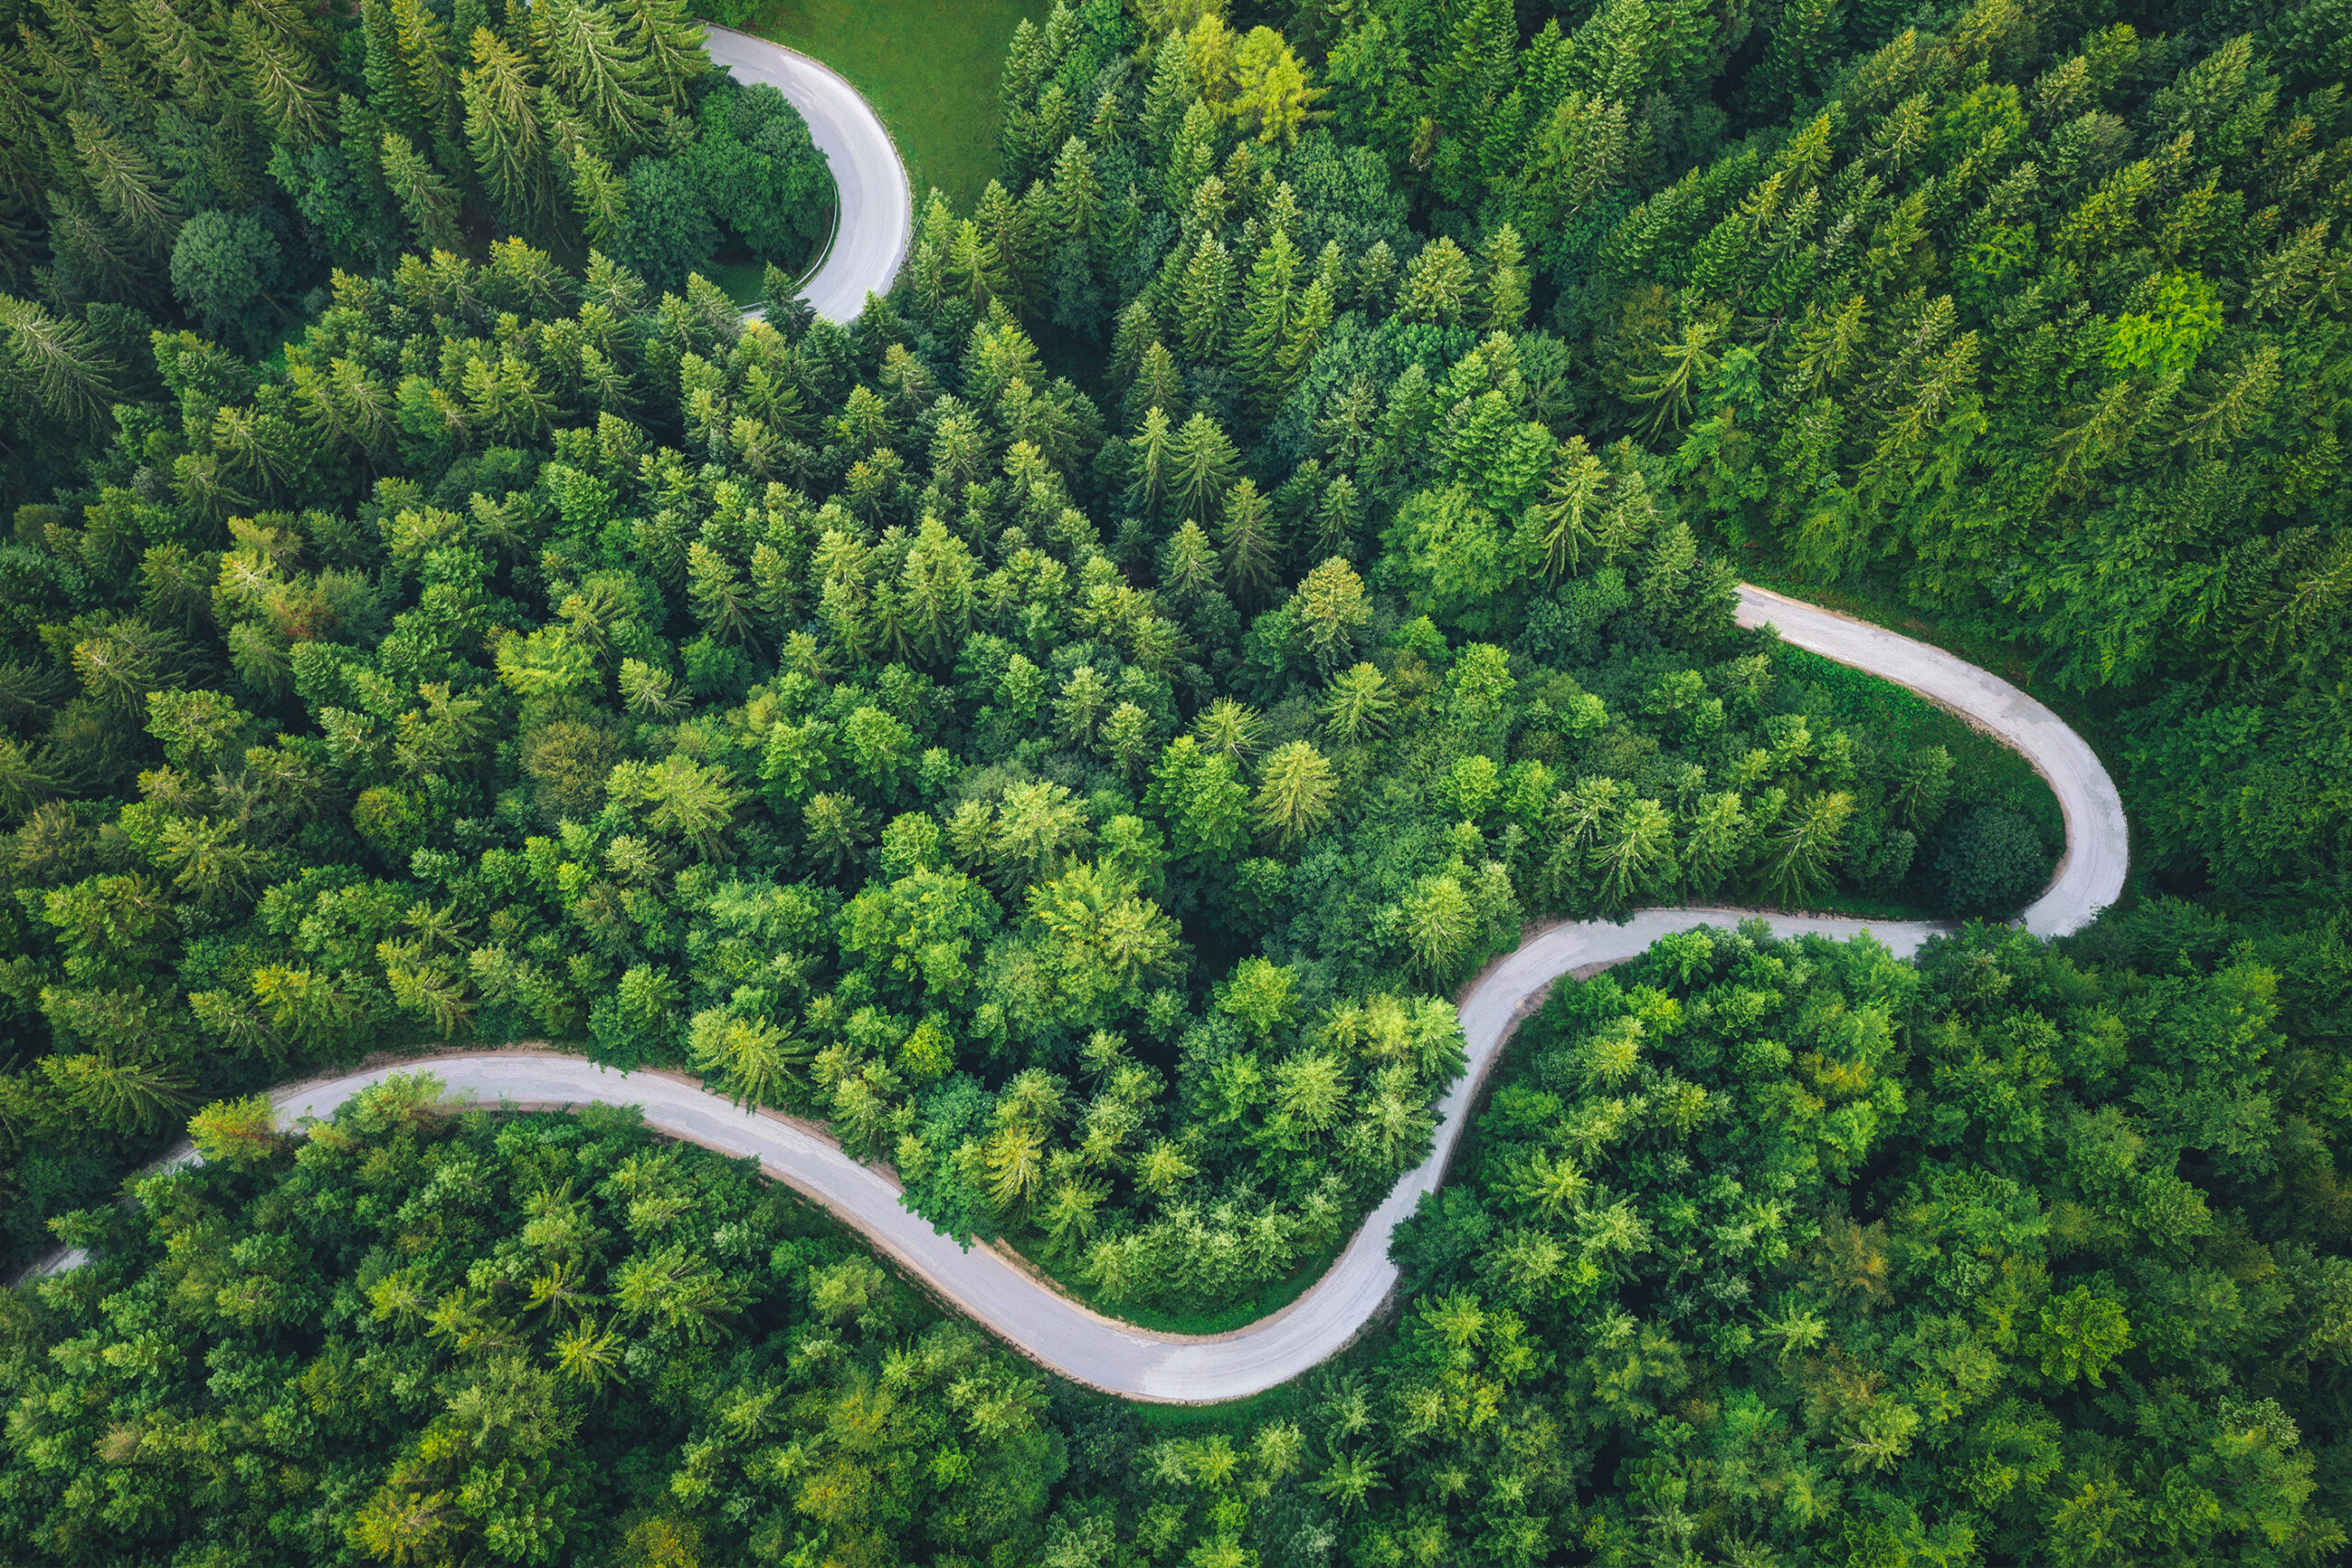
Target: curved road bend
2098	843
876	219
1057	1332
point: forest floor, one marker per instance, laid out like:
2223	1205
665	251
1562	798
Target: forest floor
929	67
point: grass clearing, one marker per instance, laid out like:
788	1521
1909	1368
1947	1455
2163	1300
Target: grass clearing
741	280
929	67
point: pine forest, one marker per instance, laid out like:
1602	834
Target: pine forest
1070	730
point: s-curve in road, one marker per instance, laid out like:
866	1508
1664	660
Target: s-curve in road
1058	1332
877	218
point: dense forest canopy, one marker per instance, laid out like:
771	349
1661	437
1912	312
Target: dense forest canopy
213	161
1072	729
597	1319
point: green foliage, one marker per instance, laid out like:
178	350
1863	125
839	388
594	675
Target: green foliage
1978	312
224	264
669	226
761	174
628	611
749	179
519	1336
1080	791
1933	1233
1987	862
226	161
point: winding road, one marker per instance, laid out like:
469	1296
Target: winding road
997	1292
875	222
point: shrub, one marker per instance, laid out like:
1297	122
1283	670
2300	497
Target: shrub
1986	861
669	230
224	264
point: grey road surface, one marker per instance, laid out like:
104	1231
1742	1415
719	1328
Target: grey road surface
1058	1333
877	205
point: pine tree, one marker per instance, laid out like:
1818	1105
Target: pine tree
386	72
913	386
1804	850
1437	285
1038	227
282	78
1204	464
1271	91
24	172
1135	331
1076	194
599	75
128	186
96	254
429	66
1031	140
426	201
1502	289
1187	563
1205	300
1584	155
1336	515
1435	920
1294	793
1159	384
1376	281
1714	843
361	134
1268	309
56	364
1635	856
973	268
1008	230
1171	91
120	1096
2226	410
1192	158
1025	66
1357	705
1149	462
1250	544
1557	524
186	46
669	41
717	594
1332	609
352	402
599	195
1803	47
1471	59
290	22
1310	324
503	128
1684	365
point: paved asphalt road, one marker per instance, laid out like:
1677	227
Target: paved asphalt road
877	205
1058	1333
